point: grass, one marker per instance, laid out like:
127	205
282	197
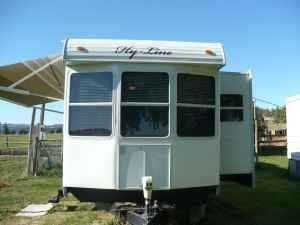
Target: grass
274	201
18	191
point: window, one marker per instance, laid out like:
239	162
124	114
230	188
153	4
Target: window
231	100
231	108
91	87
231	115
195	89
195	122
145	87
145	104
144	121
90	107
195	105
90	120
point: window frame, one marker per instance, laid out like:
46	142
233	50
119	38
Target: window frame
232	108
82	104
191	105
167	73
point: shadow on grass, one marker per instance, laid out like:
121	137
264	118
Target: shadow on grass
220	211
265	168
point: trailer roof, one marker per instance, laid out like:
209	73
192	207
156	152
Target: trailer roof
145	51
33	82
293	98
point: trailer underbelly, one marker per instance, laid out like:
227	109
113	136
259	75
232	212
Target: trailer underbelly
186	195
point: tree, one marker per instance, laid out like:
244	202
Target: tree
261	125
279	115
5	129
23	131
59	130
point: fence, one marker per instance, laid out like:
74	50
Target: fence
49	156
18	144
13	144
272	145
46	154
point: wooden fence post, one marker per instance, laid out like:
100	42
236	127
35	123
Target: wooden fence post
6	141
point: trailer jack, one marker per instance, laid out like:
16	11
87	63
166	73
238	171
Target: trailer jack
148	215
56	198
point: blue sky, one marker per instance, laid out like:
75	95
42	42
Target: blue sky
263	36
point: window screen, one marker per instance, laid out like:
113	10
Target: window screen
195	89
145	104
194	117
145	87
231	108
90	120
231	100
91	87
231	115
195	122
144	121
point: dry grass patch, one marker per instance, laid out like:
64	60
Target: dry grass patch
3	184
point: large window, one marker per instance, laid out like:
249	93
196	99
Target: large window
195	105
90	107
231	108
145	104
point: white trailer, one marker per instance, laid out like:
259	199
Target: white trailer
293	134
152	108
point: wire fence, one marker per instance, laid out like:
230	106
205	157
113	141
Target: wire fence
18	144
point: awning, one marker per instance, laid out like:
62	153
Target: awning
33	82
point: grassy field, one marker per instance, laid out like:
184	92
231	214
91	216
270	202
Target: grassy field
274	201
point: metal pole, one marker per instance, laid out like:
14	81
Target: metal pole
255	131
42	116
38	141
29	152
49	110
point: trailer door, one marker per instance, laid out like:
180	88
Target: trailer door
237	141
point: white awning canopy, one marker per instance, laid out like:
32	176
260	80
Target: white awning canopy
33	82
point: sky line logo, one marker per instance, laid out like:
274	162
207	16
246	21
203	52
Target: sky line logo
132	51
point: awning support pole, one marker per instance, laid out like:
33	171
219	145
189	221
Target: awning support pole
38	141
42	116
30	146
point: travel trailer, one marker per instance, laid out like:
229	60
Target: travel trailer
293	134
153	109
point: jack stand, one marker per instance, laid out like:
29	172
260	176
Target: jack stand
56	198
149	214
